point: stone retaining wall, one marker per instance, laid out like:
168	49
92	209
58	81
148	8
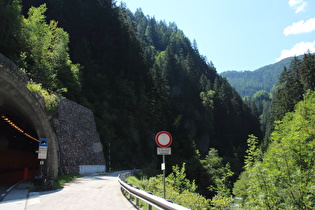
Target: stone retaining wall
78	139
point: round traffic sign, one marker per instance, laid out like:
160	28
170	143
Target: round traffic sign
163	139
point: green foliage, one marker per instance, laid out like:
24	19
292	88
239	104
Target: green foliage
307	71
219	174
260	104
178	188
45	54
247	83
61	180
241	186
37	37
293	83
261	95
284	178
178	180
51	99
253	155
221	201
207	98
10	23
233	118
289	91
138	75
253	152
183	94
135	181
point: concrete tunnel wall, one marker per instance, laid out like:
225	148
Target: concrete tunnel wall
12	87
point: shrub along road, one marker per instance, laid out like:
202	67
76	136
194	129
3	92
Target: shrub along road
90	192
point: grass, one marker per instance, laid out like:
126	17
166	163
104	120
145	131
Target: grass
57	184
61	180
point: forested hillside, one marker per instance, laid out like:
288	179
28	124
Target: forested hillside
140	75
247	83
137	74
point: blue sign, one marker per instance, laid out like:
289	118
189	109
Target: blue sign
43	142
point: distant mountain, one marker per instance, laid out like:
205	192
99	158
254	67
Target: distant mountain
247	83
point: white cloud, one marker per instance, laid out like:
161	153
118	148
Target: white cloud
301	7
294	2
300	27
298	49
298	5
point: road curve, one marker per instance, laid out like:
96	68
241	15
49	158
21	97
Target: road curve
89	192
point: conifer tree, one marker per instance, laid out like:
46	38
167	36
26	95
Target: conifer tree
308	71
10	24
289	91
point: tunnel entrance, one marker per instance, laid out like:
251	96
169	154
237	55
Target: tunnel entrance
23	120
18	143
74	144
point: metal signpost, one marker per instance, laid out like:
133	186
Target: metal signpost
163	139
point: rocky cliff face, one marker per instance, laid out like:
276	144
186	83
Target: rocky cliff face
79	142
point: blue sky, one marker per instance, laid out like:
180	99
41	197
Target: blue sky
243	34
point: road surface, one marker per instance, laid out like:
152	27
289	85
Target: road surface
90	192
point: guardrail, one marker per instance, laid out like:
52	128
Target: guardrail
151	200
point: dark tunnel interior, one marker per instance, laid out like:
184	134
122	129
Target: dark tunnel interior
18	143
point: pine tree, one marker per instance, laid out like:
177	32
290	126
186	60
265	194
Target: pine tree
10	23
308	71
289	91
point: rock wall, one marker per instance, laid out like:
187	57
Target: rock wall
79	142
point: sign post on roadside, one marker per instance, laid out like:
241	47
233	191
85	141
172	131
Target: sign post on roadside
163	139
42	152
42	149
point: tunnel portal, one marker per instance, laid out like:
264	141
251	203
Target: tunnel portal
74	143
23	120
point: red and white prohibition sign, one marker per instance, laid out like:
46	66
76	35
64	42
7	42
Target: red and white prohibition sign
163	139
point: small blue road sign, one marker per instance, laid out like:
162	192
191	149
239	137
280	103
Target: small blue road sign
43	142
42	149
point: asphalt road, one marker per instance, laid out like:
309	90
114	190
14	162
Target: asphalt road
90	192
2	192
8	179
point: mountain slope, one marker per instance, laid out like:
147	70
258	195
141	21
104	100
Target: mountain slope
139	76
247	83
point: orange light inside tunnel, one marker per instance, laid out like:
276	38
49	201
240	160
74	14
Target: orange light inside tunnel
7	120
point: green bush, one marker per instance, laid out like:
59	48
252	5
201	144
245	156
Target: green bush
61	180
283	178
51	99
179	189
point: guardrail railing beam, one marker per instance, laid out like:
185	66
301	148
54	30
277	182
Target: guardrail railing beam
151	200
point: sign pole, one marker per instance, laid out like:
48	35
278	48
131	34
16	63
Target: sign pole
163	139
41	166
109	166
164	177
